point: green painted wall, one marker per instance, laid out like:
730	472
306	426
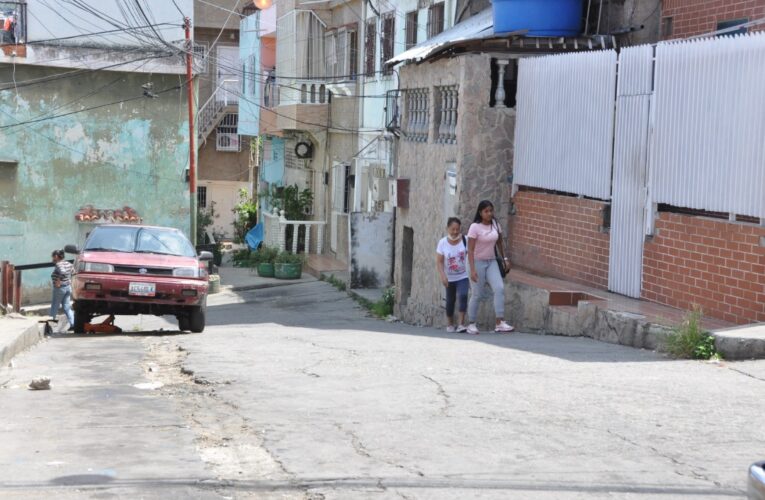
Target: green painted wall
132	153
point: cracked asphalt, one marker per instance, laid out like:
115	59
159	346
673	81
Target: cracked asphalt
293	392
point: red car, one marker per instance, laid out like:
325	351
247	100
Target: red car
129	269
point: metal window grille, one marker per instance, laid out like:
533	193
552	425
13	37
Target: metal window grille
353	53
202	196
201	50
387	36
435	19
252	75
13	23
392	117
411	29
227	138
370	41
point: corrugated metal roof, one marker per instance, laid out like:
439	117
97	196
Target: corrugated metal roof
477	27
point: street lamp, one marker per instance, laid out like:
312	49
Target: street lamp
261	4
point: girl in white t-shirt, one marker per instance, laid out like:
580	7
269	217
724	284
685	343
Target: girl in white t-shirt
451	262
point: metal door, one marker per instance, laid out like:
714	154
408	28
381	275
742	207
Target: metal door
634	88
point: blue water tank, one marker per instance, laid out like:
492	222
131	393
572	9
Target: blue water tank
539	17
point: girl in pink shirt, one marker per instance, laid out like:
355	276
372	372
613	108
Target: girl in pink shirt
483	235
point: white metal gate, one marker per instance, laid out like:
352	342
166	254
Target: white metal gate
633	101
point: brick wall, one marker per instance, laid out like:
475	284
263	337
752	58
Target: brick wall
715	264
694	17
560	236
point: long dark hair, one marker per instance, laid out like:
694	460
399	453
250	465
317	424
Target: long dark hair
481	207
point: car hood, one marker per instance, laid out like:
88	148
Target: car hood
138	259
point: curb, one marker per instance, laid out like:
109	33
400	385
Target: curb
244	288
26	339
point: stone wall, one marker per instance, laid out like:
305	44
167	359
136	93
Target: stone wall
482	165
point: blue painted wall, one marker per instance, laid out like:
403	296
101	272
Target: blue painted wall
249	55
134	152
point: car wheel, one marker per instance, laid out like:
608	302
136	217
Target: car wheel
80	318
197	320
183	323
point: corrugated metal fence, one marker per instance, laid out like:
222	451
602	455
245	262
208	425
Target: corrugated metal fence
709	125
565	123
690	124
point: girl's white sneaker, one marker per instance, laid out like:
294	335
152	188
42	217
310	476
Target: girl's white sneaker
503	327
472	329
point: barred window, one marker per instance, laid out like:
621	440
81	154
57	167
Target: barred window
388	33
370	40
202	196
446	114
411	29
435	19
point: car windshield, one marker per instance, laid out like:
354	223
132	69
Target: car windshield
140	240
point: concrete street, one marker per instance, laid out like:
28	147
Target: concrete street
293	392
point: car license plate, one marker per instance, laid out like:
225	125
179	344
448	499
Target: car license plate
142	289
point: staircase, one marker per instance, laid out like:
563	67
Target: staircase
212	112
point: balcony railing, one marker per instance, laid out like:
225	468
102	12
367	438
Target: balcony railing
13	23
303	92
275	232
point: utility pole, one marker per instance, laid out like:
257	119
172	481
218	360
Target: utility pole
192	149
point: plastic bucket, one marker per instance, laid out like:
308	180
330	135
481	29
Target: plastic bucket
288	271
266	270
539	17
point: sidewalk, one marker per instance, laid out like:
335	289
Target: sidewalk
238	279
17	333
559	307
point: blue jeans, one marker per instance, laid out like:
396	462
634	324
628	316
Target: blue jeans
453	291
488	272
62	296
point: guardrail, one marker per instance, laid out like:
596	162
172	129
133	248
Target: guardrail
10	282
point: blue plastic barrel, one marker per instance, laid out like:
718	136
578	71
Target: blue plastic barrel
539	17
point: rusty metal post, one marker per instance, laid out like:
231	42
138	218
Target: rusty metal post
4	283
16	291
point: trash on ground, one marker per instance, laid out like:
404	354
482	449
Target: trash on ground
40	384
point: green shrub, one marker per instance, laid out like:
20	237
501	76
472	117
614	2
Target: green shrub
690	341
240	258
264	255
289	258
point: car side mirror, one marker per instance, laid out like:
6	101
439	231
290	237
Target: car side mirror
72	249
205	255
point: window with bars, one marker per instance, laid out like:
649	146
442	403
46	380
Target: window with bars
227	138
411	29
200	57
252	75
446	114
387	37
435	19
353	52
370	45
202	196
417	114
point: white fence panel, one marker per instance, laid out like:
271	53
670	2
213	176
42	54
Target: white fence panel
709	146
565	123
630	161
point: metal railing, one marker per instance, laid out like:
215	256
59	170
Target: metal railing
210	112
10	282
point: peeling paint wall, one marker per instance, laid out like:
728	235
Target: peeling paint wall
371	249
133	153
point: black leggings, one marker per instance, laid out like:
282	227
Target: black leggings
457	288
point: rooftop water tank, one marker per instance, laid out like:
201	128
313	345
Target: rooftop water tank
539	17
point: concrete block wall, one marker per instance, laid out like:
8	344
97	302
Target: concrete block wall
716	264
560	236
695	17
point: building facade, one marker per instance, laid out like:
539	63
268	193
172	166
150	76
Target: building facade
93	128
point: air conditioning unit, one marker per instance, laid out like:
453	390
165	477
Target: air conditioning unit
379	189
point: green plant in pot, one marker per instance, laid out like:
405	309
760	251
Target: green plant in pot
263	261
288	266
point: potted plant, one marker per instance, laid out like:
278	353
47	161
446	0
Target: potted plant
288	266
263	261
